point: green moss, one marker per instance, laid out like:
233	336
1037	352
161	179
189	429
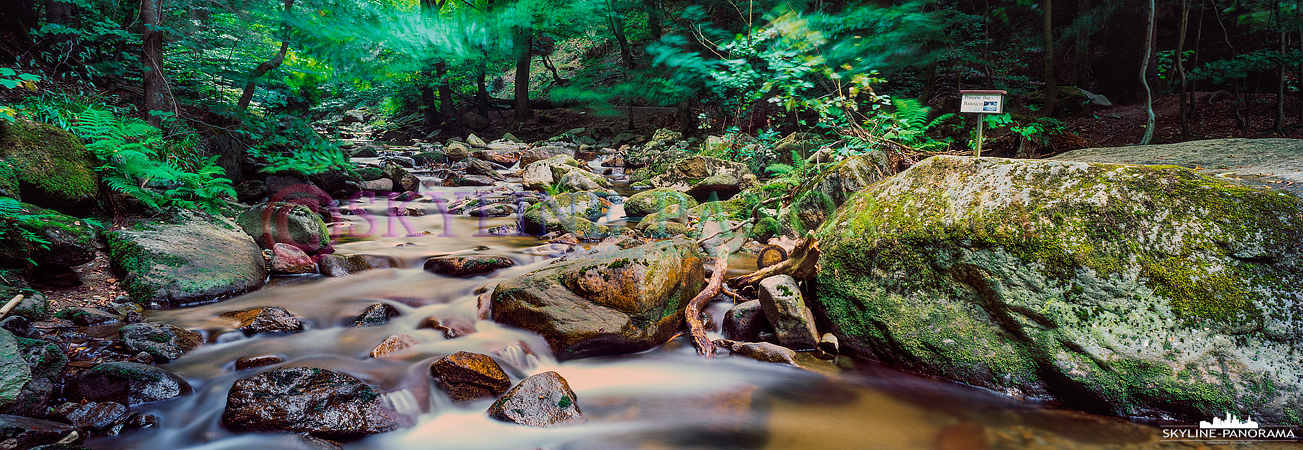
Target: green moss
51	160
565	402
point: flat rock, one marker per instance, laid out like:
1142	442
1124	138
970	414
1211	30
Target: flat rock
542	400
127	383
467	266
466	376
266	319
162	341
308	400
1276	163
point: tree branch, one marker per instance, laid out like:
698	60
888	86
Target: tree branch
693	314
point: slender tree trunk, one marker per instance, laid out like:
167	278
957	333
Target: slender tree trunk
1198	41
1180	68
684	113
446	107
1144	79
266	66
1082	61
158	97
617	29
1047	33
524	40
482	92
428	102
1279	126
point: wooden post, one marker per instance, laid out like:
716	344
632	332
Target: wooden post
978	152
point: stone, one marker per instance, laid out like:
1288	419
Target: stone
540	175
163	342
336	183
377	185
393	346
308	400
541	153
476	141
605	303
95	416
482	168
266	319
250	362
466	376
542	400
375	315
287	259
28	433
1122	289
581	180
450	327
474	121
14	370
760	351
651	201
47	364
46	166
429	157
194	258
84	315
709	179
799	144
286	223
468	265
493	210
785	310
68	241
457	151
127	383
821	196
505	158
570	212
744	321
335	265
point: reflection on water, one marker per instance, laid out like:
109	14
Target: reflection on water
668	398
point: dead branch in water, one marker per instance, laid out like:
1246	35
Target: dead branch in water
695	328
801	265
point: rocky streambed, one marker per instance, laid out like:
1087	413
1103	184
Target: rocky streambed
414	305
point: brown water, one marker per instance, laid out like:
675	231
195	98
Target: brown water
668	398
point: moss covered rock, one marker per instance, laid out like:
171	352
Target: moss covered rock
14	372
285	223
703	177
48	165
45	237
193	258
1121	289
651	201
570	212
611	302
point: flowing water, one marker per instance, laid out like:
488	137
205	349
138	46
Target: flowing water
668	398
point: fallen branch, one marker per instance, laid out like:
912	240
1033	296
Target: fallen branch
801	265
732	229
695	328
11	304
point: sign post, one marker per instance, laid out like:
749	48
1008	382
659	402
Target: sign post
981	102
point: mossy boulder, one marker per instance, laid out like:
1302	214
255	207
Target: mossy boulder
14	372
1132	290
651	201
192	258
539	175
612	302
798	145
49	166
704	178
285	223
570	212
46	237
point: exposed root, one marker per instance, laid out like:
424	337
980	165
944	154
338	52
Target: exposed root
693	314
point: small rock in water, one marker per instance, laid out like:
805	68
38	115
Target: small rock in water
793	322
376	314
493	210
469	376
127	383
467	266
309	400
107	418
451	327
163	342
288	259
542	400
828	347
567	239
26	432
81	315
337	265
744	321
256	361
393	344
266	319
760	351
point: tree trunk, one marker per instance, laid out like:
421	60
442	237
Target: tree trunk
1198	41
684	113
1081	63
158	97
1144	79
482	91
446	107
266	66
524	40
1279	126
1180	68
617	29
1047	33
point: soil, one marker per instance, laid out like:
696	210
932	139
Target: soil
1213	118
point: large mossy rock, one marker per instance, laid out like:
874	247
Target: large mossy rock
651	201
285	223
46	237
14	371
569	212
822	195
613	302
194	258
1126	289
703	177
47	165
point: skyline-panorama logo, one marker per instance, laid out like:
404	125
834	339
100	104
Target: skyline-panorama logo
1230	428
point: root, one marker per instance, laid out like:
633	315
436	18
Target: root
693	314
802	264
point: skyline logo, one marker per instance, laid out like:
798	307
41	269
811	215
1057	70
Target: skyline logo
1230	422
1232	428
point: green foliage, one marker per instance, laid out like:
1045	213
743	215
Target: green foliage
286	143
9	79
136	162
1038	130
906	123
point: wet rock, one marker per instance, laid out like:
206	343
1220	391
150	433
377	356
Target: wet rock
542	400
785	309
105	417
580	180
266	319
46	362
541	153
429	157
467	266
481	167
760	351
493	210
539	175
82	315
476	141
570	212
605	303
194	258
451	327
288	259
393	344
250	362
378	185
376	314
69	241
744	321
821	196
19	326
829	346
308	400
50	167
671	221
163	342
127	383
651	201
336	183
26	433
457	151
340	265
1088	283
403	180
453	180
14	370
466	376
505	158
709	179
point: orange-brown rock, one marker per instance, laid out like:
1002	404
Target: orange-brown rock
468	376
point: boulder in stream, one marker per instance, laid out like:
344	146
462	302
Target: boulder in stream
162	341
1130	290
467	265
309	400
286	223
466	376
542	400
14	372
127	383
193	258
785	309
613	302
334	265
654	200
290	260
266	319
375	315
